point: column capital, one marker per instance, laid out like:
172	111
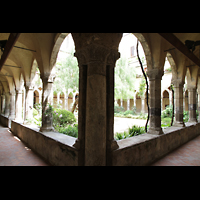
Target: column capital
95	52
48	77
178	83
155	74
191	88
28	85
113	57
18	90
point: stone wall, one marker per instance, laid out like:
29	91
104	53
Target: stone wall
4	121
140	150
54	147
147	148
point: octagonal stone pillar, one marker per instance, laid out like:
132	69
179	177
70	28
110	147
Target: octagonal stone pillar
155	77
47	118
192	104
178	97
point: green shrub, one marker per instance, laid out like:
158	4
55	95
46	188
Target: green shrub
166	122
62	118
167	112
118	109
35	112
185	116
120	136
134	131
129	112
70	130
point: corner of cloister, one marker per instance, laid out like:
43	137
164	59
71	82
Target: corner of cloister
27	78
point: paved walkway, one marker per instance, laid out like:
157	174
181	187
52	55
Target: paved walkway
186	155
14	153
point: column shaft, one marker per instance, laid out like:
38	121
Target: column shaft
47	116
155	76
178	101
192	104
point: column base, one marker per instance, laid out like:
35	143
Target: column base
193	120
47	129
155	131
179	124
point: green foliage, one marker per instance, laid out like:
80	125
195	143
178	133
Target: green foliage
120	136
166	122
62	118
70	130
35	112
118	109
142	87
185	116
125	77
38	107
49	110
67	74
167	112
134	131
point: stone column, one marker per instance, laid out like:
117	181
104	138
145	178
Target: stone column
128	104
58	99
47	119
95	130
12	105
155	76
3	104
96	105
80	142
178	102
28	101
7	106
192	104
143	105
111	143
18	109
198	103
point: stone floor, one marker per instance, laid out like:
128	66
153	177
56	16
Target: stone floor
186	155
15	153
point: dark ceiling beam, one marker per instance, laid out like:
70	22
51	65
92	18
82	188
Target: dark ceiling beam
8	47
172	39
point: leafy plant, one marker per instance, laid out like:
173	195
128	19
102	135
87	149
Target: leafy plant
167	112
35	112
48	110
185	116
134	131
118	109
70	130
62	118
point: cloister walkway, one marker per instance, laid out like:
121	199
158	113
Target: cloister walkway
186	155
15	153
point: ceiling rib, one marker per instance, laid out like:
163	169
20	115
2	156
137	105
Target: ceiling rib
172	39
8	47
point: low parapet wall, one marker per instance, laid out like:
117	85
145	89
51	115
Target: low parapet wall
140	150
146	148
4	120
54	147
